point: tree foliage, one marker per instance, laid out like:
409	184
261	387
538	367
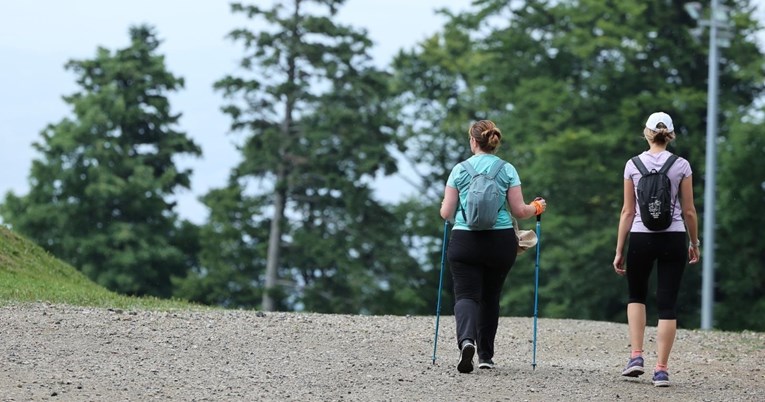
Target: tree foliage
231	252
740	251
317	123
100	194
570	84
297	225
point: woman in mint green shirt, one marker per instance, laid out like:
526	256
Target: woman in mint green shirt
480	260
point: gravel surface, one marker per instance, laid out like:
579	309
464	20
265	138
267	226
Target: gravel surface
65	353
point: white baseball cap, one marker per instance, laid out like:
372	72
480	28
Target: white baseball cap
659	117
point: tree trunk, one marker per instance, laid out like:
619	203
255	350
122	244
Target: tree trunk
274	242
281	185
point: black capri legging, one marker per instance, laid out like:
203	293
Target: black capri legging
668	250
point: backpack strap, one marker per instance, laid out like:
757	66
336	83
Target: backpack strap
472	172
639	165
668	164
469	169
495	168
494	171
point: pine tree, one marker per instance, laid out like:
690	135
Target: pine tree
317	123
101	193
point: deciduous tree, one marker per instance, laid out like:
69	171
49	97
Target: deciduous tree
570	83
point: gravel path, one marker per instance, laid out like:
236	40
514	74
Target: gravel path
65	353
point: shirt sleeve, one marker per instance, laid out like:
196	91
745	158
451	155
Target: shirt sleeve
455	173
686	168
512	174
629	169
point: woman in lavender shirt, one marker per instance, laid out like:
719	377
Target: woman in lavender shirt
666	248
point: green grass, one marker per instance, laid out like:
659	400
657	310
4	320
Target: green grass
29	274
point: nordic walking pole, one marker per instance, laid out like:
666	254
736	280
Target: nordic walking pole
440	284
536	292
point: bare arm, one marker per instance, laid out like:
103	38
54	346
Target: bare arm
626	218
691	220
518	207
449	204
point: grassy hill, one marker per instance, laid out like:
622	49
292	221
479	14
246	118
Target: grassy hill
29	274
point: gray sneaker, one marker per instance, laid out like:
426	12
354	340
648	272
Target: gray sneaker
467	352
660	379
634	367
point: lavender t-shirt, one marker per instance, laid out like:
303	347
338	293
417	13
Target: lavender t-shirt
679	170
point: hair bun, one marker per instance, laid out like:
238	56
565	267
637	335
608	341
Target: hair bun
486	134
493	136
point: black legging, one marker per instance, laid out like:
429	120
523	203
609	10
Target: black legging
480	262
668	250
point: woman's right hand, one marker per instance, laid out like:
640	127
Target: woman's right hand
693	253
619	265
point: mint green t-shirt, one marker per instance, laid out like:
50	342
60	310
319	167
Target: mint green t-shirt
460	180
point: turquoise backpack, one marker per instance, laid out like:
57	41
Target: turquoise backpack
484	198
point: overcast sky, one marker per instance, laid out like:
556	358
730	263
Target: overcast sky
38	37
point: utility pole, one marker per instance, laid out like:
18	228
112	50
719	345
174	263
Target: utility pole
708	257
718	37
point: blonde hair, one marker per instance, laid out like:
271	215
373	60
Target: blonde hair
661	135
486	134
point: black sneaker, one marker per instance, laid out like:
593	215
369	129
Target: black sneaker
485	364
466	357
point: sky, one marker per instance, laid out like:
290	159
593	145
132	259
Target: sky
38	37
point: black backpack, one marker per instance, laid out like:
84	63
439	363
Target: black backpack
654	195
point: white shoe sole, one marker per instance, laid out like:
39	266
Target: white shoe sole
633	371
